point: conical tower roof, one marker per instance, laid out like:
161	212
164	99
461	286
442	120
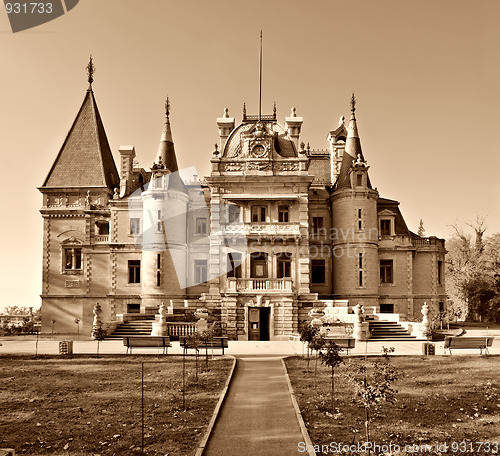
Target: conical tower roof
166	158
352	151
166	149
85	158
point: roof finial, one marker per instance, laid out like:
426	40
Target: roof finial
244	111
353	104
90	72
274	110
167	109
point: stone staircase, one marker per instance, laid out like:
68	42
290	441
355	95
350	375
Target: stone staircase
141	327
388	330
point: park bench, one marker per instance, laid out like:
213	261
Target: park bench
219	343
468	342
162	342
343	342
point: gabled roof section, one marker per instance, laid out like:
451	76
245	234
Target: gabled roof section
384	205
85	158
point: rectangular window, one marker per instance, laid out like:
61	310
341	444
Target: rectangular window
360	220
234	265
201	225
317	226
440	272
134	271
258	214
102	228
200	271
386	273
158	226
72	259
318	271
234	213
158	269
360	278
284	265
359	178
387	308
283	214
135	225
360	261
385	227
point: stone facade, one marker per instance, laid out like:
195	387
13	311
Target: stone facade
296	229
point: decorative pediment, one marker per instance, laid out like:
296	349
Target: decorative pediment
72	240
386	213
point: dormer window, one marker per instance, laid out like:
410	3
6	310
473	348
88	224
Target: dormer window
258	214
385	227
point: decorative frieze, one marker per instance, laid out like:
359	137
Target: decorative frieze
232	166
286	166
72	284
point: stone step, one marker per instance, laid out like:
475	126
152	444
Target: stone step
388	330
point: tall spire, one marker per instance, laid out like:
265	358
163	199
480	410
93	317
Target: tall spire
165	158
260	78
352	151
90	72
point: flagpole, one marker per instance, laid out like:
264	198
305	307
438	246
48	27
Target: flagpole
260	78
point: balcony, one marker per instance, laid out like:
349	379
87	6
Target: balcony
276	229
259	285
102	239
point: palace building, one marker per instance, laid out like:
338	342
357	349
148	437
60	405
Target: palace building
276	229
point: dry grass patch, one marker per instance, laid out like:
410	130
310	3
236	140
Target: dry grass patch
439	399
92	406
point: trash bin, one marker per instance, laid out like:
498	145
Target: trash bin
428	349
66	347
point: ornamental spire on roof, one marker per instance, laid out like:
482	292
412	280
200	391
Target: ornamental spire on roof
90	72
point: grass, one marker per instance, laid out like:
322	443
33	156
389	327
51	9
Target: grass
85	405
440	399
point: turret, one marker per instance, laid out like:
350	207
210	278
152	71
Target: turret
164	248
355	233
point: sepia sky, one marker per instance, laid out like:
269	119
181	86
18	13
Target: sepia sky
426	76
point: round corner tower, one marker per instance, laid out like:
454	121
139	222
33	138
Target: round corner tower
355	226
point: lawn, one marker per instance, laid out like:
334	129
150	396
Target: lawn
92	406
439	399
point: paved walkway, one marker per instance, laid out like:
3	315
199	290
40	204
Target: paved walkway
26	345
257	417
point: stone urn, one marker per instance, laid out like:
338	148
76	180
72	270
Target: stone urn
202	315
160	325
317	317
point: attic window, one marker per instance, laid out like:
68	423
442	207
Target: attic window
341	139
385	227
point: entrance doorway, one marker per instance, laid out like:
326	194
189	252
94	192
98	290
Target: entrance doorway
258	323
